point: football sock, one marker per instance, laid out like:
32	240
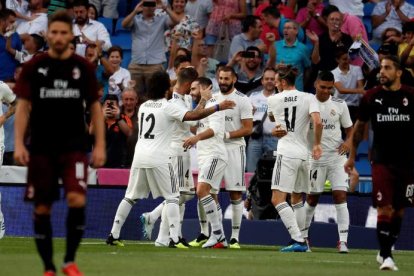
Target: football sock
210	208
289	220
236	217
395	228
75	226
202	218
156	213
163	234
300	215
309	211
173	217
384	236
121	214
342	218
43	239
180	225
220	212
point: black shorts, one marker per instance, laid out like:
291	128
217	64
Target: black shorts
393	185
45	170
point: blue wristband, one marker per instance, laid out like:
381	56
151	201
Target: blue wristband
217	107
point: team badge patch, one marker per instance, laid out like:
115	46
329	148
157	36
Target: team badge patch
333	112
405	102
76	73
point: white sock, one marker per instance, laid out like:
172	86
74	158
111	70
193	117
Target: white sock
220	212
236	217
202	218
289	220
309	211
121	214
173	217
156	213
210	208
300	215
342	218
163	234
182	210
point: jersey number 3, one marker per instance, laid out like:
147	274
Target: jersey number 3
290	124
148	134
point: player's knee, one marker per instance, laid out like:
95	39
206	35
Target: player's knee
296	198
76	200
203	190
312	200
339	197
235	195
43	209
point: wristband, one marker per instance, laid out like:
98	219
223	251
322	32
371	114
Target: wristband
227	135
217	107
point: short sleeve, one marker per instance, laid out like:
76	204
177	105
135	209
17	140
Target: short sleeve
364	108
379	9
246	109
175	111
345	119
6	93
360	75
313	104
23	86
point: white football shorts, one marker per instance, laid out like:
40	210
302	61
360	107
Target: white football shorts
182	169
211	171
334	172
234	173
290	175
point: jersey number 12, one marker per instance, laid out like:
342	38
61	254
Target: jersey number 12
148	134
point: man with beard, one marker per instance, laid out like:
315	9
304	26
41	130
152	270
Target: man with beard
390	110
88	31
53	90
264	142
238	124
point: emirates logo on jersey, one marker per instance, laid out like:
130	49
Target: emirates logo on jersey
333	112
76	73
405	102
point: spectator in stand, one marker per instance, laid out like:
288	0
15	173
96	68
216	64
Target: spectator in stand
250	36
405	49
173	65
391	35
390	13
59	5
148	42
7	61
200	10
354	7
108	9
32	46
118	129
119	77
130	109
38	24
310	17
229	12
349	82
88	31
325	46
284	10
21	8
92	12
206	66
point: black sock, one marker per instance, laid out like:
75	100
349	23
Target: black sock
395	229
43	239
384	237
75	226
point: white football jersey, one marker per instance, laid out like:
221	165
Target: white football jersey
181	129
292	110
157	120
259	101
6	96
334	114
242	110
214	146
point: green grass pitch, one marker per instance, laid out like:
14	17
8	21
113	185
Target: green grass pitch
18	257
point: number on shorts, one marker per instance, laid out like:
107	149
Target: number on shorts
290	125
313	174
147	134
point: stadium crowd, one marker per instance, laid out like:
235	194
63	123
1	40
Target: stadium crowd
259	48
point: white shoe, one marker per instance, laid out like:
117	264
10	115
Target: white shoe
147	226
162	243
2	226
388	264
380	259
216	242
342	247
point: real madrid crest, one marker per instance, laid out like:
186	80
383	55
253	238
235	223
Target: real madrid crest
333	112
76	73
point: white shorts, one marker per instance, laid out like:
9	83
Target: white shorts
290	175
334	172
182	169
211	171
160	181
234	173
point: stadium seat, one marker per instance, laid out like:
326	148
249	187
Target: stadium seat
368	8
363	167
127	58
107	23
122	39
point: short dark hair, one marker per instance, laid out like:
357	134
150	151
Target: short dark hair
204	81
60	16
254	48
249	21
181	59
158	86
269	69
116	48
81	3
326	76
328	10
38	41
188	74
395	60
288	73
272	11
339	52
5	13
228	69
187	52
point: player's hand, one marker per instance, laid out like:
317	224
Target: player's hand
316	152
98	157
344	148
206	93
21	155
190	142
279	132
349	165
227	104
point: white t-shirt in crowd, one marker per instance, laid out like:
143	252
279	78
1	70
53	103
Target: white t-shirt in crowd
259	101
349	80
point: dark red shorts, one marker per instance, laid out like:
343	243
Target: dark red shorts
393	185
45	171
